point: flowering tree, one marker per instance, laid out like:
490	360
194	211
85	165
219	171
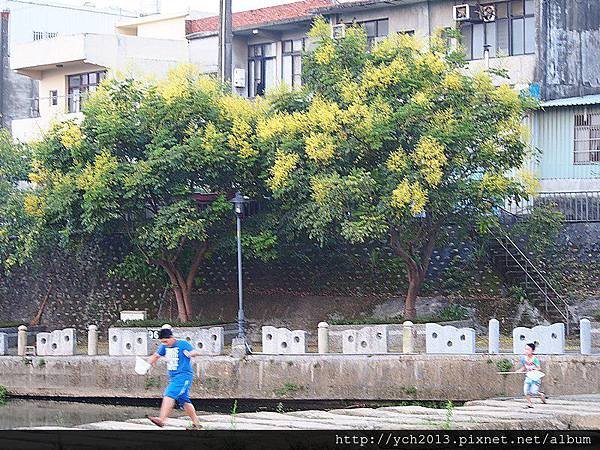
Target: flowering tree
134	164
393	144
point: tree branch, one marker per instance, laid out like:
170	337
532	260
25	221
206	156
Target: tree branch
200	251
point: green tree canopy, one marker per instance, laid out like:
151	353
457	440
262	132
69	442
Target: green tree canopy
393	144
135	163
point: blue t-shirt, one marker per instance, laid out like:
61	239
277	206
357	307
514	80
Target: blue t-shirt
177	362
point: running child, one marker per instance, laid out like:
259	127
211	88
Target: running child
531	386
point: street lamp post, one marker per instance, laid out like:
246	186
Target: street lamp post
238	201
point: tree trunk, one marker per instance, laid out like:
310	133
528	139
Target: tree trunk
181	310
414	286
182	287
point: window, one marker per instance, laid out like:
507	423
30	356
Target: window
587	138
39	35
375	29
80	86
291	62
511	33
261	68
53	98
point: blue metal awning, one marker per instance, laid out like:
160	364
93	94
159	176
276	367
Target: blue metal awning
573	101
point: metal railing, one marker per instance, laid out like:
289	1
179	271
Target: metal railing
529	269
72	103
575	206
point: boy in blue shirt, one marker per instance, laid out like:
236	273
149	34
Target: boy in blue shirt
181	375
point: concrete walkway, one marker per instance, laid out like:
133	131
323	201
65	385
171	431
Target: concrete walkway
567	412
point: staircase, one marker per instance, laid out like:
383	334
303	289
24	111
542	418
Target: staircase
519	270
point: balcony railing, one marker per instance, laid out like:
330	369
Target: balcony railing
72	103
576	206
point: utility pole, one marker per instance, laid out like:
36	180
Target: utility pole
225	41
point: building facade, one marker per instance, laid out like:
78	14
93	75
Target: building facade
549	48
69	68
24	21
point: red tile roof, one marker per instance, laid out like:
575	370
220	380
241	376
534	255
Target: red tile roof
254	17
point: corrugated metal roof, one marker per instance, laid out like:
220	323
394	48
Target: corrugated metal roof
573	101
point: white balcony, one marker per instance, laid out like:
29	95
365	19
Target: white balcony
124	53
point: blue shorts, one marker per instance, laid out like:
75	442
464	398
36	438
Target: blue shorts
531	387
179	389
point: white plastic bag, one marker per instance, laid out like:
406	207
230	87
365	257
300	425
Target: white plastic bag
141	366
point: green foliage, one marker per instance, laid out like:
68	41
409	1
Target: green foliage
517	293
280	409
504	365
540	229
388	150
453	312
133	166
447	424
2	395
287	389
153	323
12	323
151	382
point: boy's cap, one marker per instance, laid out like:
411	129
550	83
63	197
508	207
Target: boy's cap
165	333
531	345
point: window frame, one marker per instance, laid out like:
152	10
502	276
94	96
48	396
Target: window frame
292	54
53	97
583	121
510	18
75	106
372	39
262	60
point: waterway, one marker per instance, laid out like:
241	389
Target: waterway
27	412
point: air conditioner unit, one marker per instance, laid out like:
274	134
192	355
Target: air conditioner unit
239	78
466	13
338	31
487	13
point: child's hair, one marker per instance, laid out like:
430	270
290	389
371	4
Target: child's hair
531	345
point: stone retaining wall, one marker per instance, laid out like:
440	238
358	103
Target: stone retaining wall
310	377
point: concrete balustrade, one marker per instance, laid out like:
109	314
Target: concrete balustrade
585	336
92	340
448	339
21	340
408	337
323	337
57	343
548	340
494	337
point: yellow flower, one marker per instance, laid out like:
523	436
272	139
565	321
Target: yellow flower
284	165
319	147
529	181
324	115
452	81
419	199
406	194
33	205
397	161
319	187
430	157
239	139
401	196
39	174
421	99
432	63
71	135
325	53
377	77
507	96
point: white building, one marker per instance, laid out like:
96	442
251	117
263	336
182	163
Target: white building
70	67
26	21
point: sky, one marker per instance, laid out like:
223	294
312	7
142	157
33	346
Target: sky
173	6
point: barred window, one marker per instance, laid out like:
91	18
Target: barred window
587	138
39	35
291	62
